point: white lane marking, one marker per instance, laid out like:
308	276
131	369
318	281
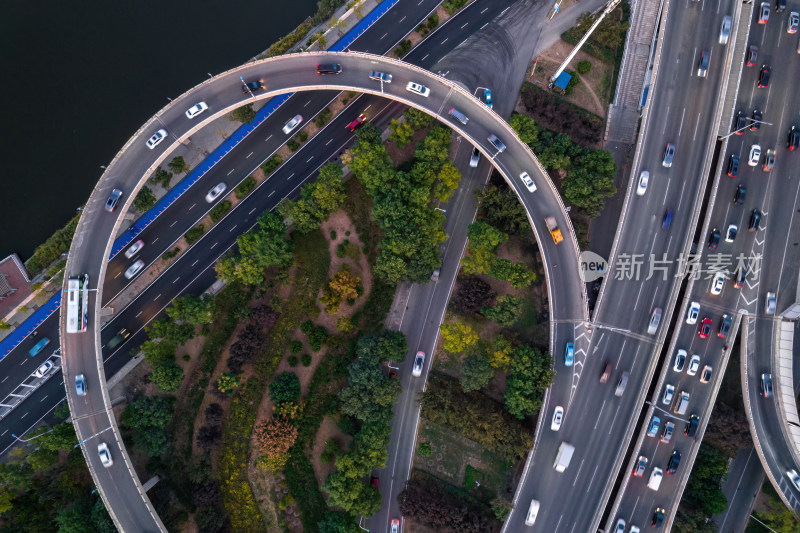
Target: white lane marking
137	314
445	40
290	177
329	141
176	280
402	19
589	485
309	159
213	245
270	194
251	211
192	207
384	35
504	11
43	399
233	228
154	241
484	25
465	25
173	223
248	155
680	129
268	138
485	9
231	172
306	104
195	262
157	297
118	273
426	55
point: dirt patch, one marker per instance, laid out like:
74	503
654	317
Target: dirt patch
402	155
327	432
593	91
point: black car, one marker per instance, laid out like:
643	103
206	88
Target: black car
713	240
752	55
674	461
766	385
658	517
755	124
329	68
725	325
741	193
780	5
755	220
763	79
741	123
733	165
252	86
738	281
691	427
794	138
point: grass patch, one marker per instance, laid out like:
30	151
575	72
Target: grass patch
453	459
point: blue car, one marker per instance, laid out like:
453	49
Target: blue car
569	354
487	96
39	346
80	385
667	221
653	429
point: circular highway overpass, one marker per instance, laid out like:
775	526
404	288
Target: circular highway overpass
121	490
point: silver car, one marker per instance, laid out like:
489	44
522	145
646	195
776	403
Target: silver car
214	193
134	269
42	371
725	30
292	124
134	249
105	454
475	157
419	361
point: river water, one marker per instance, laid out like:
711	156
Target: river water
79	78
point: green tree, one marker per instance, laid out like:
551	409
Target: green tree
531	373
244	114
475	372
161	176
500	353
525	127
448	179
318	200
586	191
501	508
195	310
703	489
167	377
72	518
507	310
284	388
170	332
178	165
144	200
584	67
417	119
401	133
262	247
483	235
338	522
516	273
157	353
500	207
458	337
147	418
424	449
351	493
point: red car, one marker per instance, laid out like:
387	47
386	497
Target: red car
374	480
705	328
357	122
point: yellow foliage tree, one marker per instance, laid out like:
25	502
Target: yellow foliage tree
458	337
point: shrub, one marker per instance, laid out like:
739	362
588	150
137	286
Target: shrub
323	117
271	164
144	200
402	48
584	67
345	324
245	187
244	114
333	235
307	327
317	338
296	347
303	136
161	176
284	388
53	247
424	449
178	165
167	377
170	254
306	359
195	233
330	451
454	5
292	361
293	145
219	210
288	41
573	81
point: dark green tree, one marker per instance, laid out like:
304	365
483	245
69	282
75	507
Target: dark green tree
144	200
531	373
244	114
147	418
525	127
475	372
167	377
193	309
284	388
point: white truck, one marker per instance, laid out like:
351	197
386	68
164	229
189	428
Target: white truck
564	456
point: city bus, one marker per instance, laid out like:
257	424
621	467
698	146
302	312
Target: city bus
77	303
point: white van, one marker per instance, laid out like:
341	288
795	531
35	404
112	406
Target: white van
564	456
655	479
682	404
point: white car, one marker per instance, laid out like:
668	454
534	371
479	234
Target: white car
794	21
558	416
644	177
43	370
526	179
755	155
717	283
680	360
634	529
669	393
620	527
692	313
533	511
134	249
105	454
418	88
157	137
694	364
793	477
730	235
419	362
705	376
134	269
196	109
292	124
214	193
